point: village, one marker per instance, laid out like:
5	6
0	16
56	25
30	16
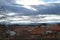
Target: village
30	32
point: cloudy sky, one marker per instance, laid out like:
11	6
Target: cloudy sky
30	11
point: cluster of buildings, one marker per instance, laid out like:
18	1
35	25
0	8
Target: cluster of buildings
43	31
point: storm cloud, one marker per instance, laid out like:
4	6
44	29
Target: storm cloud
11	9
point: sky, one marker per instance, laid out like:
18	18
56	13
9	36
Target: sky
29	11
35	2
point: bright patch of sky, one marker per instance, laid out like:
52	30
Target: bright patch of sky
27	3
35	2
11	14
30	8
50	0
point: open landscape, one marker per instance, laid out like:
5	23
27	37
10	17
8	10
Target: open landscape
30	32
29	19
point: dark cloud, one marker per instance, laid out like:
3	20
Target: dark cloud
49	9
53	8
6	2
17	10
